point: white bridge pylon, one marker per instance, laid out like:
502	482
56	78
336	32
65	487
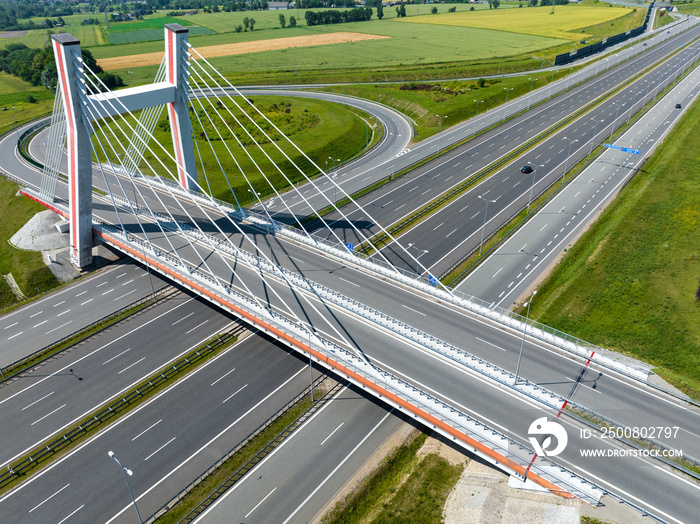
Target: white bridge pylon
173	92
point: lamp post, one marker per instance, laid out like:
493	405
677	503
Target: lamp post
477	114
551	83
335	174
634	101
568	77
612	129
595	132
529	98
506	89
534	174
420	253
566	165
131	74
130	473
522	342
439	131
393	160
483	228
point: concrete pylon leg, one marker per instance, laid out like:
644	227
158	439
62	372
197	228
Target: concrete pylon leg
78	147
178	111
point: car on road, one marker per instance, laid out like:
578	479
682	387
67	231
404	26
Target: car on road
526	169
678	106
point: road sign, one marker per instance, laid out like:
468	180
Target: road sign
349	246
623	149
432	280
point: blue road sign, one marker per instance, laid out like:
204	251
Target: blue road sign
623	149
432	280
349	246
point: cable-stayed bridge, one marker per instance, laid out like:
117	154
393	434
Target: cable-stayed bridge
361	318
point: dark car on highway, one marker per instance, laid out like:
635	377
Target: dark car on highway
526	169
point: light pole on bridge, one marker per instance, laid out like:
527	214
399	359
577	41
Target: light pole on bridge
595	132
130	473
506	89
566	165
477	114
393	160
420	253
439	131
612	129
529	98
522	342
534	174
333	177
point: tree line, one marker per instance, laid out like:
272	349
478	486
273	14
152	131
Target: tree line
358	14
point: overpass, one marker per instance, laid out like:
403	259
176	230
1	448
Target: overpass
319	298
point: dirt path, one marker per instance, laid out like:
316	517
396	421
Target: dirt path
241	48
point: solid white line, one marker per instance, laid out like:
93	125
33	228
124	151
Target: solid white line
337	467
70	515
47	415
183	318
236	393
258	504
332	433
223	376
42	398
115	356
52	496
145	430
156	451
197	326
132	365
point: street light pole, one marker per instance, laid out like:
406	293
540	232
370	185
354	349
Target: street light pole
534	174
483	228
612	129
506	89
595	132
393	160
522	342
420	253
477	114
126	472
529	98
566	166
333	176
634	101
439	131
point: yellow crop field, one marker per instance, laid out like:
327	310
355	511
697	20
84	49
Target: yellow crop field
566	22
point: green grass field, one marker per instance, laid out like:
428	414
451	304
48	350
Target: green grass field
632	282
566	22
147	35
27	267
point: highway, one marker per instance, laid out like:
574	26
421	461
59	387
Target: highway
361	342
59	314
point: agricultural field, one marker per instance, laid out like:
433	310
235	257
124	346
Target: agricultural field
632	282
12	84
566	22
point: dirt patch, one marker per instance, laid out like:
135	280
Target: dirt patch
241	48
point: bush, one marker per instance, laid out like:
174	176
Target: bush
31	99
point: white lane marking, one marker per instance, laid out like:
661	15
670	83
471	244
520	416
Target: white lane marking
439	225
453	231
87	302
147	429
66	311
79	294
11	325
42	398
70	514
35	314
223	376
415	311
100	285
476	215
236	393
543	227
489	343
132	365
126	294
47	499
62	302
352	283
183	318
347	457
197	326
156	451
128	282
13	336
40	323
258	504
103	294
332	433
48	415
115	356
465	207
496	273
584	385
399	207
120	276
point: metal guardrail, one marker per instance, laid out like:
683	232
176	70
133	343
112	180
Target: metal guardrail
57	444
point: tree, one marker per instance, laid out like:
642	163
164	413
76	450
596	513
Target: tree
246	22
283	21
252	23
380	11
452	9
533	3
238	28
401	11
434	10
292	21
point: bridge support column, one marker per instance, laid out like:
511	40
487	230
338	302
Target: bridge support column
178	111
78	146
